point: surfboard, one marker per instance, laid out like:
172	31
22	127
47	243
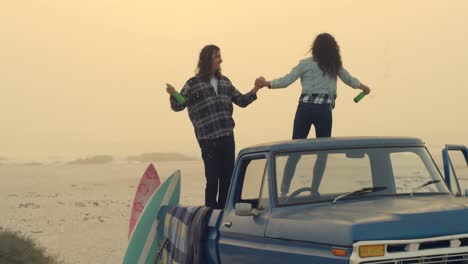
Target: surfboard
148	184
147	235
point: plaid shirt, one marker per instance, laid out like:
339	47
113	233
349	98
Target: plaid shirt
318	99
211	113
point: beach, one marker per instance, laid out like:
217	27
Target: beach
80	213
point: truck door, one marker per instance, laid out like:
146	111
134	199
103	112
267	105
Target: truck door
455	159
242	235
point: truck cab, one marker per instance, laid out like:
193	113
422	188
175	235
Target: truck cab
343	200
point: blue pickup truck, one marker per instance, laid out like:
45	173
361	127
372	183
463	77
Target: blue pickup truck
343	200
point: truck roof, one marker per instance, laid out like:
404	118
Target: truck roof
334	143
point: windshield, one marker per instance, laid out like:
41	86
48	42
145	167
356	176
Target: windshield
303	177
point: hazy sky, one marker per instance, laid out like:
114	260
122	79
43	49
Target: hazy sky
87	77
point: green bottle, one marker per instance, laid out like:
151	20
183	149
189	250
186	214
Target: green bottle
359	97
179	98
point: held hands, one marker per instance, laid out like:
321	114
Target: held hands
260	82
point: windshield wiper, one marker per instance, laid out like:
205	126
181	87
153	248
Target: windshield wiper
364	190
422	186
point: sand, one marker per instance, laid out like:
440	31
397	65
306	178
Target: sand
80	213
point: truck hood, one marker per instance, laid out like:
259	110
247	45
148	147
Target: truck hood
383	218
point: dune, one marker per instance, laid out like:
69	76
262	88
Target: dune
98	159
32	163
160	156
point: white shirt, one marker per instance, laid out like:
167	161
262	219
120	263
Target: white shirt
214	83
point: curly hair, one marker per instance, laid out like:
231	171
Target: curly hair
205	61
326	52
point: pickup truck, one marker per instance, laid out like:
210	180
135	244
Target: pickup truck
343	200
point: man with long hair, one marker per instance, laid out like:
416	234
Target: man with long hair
208	97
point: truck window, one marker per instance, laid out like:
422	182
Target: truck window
325	173
252	181
409	171
264	200
460	169
346	174
303	177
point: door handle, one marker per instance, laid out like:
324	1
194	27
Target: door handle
227	224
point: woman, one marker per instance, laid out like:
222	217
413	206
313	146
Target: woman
209	96
318	74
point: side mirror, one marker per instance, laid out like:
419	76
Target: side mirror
245	209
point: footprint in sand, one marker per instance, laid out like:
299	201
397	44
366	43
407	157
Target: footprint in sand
87	218
80	204
12	195
29	205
